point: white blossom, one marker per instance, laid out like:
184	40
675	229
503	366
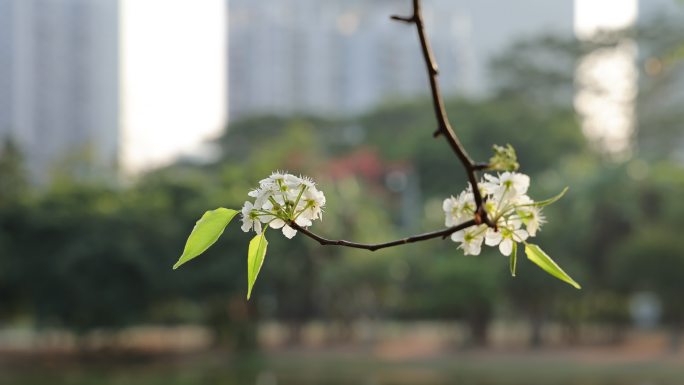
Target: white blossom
509	185
311	203
460	209
281	199
532	217
288	231
515	215
471	239
250	219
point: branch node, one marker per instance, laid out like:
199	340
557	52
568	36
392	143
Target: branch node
404	19
481	166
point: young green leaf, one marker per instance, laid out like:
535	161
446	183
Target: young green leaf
504	159
205	233
514	258
255	258
541	259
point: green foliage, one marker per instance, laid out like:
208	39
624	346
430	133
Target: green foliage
103	253
206	232
652	260
255	259
541	259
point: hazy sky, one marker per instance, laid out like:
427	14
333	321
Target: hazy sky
173	55
174	71
608	117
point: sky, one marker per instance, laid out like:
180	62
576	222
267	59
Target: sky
174	74
173	56
608	117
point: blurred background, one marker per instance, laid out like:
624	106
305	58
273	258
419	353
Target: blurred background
122	121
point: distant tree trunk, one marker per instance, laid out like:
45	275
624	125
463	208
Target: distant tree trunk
571	332
675	337
233	323
536	328
478	322
295	332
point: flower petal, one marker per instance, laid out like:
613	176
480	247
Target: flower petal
506	247
458	236
520	235
246	224
277	223
289	232
303	221
493	238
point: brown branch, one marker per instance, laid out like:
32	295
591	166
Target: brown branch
444	127
377	246
403	19
481	166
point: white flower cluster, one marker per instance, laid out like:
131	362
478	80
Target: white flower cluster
507	205
280	199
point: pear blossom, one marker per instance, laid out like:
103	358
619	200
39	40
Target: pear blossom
313	201
250	218
471	239
515	215
288	231
507	185
460	209
505	235
281	199
532	217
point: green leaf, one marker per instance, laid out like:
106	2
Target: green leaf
514	258
541	259
550	200
205	233
255	258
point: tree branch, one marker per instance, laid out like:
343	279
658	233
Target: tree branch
377	246
444	127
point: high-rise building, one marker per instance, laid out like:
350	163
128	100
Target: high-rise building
344	56
336	57
121	85
59	80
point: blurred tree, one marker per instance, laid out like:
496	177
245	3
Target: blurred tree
13	177
454	287
98	256
653	260
14	200
541	136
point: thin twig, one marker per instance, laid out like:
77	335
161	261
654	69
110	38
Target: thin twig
377	246
481	166
444	127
